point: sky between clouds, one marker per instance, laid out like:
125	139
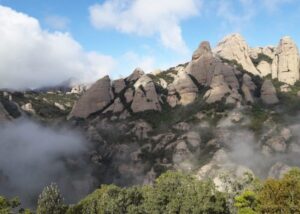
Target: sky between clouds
48	42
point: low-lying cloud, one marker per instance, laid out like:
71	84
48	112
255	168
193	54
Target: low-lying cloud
33	156
31	57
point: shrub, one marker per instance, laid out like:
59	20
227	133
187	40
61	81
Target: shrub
173	192
50	201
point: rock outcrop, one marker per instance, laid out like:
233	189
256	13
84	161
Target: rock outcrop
185	89
145	97
202	65
219	89
118	85
286	63
95	99
234	48
268	93
4	116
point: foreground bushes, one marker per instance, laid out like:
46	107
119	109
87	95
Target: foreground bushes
174	192
272	196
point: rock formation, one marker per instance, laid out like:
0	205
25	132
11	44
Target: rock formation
287	61
145	97
4	116
94	99
268	93
184	87
235	48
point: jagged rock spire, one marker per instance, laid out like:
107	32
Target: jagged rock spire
235	48
286	63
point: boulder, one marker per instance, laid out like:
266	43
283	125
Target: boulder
145	97
95	99
224	173
264	68
248	88
116	107
182	126
129	95
278	170
268	51
286	63
202	65
285	88
118	85
219	89
181	153
78	89
268	93
277	143
141	129
173	96
4	116
247	94
235	48
185	87
28	108
137	73
60	106
193	139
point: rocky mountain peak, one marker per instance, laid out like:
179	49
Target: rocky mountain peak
286	63
204	49
235	48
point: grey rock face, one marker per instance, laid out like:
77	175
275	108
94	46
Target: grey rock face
137	73
202	65
286	63
118	85
185	87
94	99
278	170
268	93
234	47
145	97
4	116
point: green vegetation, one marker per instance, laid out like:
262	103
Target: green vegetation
50	201
234	63
262	57
42	103
11	206
165	75
170	116
175	192
258	115
290	101
273	196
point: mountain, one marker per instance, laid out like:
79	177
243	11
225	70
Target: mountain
230	110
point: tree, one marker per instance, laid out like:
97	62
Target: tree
174	192
281	196
50	201
247	202
9	206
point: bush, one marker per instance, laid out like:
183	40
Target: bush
50	201
172	192
262	57
274	196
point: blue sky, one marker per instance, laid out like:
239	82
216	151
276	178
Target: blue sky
158	33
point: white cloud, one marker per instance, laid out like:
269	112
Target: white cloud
145	62
274	5
57	22
32	57
236	13
147	18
